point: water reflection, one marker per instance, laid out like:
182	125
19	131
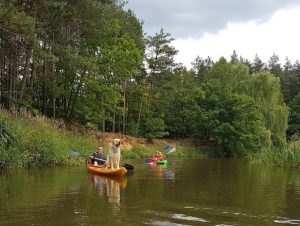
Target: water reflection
108	187
162	171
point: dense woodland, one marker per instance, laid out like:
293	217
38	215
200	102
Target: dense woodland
89	62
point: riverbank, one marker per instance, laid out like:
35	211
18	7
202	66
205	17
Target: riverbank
288	156
40	141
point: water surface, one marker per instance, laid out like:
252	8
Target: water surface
193	192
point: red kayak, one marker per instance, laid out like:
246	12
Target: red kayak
152	160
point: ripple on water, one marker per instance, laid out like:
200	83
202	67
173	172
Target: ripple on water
281	220
223	225
175	216
188	207
188	218
166	223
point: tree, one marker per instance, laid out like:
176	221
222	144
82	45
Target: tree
290	81
201	66
57	52
274	65
234	58
160	65
257	65
233	120
294	119
247	63
182	106
265	89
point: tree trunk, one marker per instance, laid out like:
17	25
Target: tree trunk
124	108
33	73
103	125
114	122
149	100
103	111
76	94
26	74
53	107
44	97
139	116
2	73
10	82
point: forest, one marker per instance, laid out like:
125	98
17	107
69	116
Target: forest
89	62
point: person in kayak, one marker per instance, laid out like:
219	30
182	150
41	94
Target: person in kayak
158	156
98	157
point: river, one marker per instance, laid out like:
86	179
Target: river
186	192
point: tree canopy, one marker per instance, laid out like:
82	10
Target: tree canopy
88	61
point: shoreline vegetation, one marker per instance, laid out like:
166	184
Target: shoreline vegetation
288	156
39	141
72	65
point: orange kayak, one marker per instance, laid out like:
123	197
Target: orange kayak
101	170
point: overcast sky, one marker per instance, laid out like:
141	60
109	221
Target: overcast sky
217	27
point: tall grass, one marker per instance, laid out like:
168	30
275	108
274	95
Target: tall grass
287	156
39	144
182	152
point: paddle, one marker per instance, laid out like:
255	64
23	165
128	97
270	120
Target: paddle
76	153
166	148
171	151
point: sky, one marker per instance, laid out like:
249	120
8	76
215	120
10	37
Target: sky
216	28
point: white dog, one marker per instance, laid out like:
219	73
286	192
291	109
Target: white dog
114	155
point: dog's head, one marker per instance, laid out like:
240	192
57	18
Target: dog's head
117	142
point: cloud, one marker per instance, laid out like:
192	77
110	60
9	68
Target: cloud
192	18
278	35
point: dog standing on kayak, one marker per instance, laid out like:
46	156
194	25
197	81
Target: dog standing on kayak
114	155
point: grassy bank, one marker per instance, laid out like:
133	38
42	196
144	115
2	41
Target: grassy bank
288	156
37	142
144	152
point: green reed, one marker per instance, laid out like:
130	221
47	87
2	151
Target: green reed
286	156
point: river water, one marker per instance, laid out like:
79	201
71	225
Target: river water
190	192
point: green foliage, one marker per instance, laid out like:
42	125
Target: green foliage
265	88
182	106
40	144
232	120
160	56
6	137
83	61
68	54
155	128
286	156
258	65
155	86
294	119
7	140
201	66
182	152
274	65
